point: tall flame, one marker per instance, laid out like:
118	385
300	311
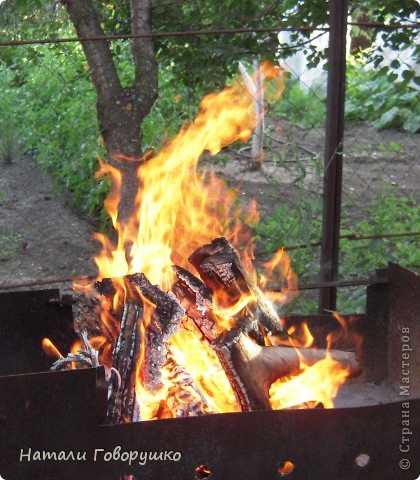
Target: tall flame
178	208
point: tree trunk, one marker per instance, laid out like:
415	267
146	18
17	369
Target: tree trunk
120	110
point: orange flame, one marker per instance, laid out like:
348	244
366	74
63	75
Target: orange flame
178	208
281	266
50	349
317	383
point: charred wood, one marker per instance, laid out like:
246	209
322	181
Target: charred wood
184	398
167	312
163	323
86	315
196	298
122	404
105	287
222	270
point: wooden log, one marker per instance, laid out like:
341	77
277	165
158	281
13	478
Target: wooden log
184	398
196	298
222	270
86	316
249	368
252	369
122	404
165	321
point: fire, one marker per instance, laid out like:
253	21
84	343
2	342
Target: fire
317	383
279	267
178	208
202	364
50	349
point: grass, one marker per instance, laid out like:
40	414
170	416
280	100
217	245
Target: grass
9	243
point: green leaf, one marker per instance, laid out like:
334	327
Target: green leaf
387	119
408	75
395	64
412	123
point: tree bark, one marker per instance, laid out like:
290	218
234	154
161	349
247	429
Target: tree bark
121	111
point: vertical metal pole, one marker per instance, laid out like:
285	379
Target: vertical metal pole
333	159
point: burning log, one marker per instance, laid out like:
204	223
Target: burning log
222	270
196	298
250	366
165	320
122	405
149	317
252	369
184	398
163	323
87	318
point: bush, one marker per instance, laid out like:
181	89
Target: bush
53	105
388	214
301	107
376	97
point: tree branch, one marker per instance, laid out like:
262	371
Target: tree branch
146	68
98	54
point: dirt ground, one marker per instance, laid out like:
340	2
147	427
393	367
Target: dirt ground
293	165
42	239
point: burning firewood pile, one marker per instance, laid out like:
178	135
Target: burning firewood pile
76	412
181	338
254	350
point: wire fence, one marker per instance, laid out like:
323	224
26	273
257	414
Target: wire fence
46	96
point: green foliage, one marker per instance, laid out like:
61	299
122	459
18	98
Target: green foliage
8	142
53	105
46	90
388	214
376	97
301	107
30	19
9	243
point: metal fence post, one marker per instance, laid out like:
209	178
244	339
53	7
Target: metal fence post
333	157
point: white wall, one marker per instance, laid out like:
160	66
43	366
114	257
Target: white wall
316	78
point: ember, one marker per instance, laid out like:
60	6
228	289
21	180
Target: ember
179	313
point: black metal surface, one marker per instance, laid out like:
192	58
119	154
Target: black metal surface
333	156
55	411
374	327
404	331
322	444
52	411
63	411
25	319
